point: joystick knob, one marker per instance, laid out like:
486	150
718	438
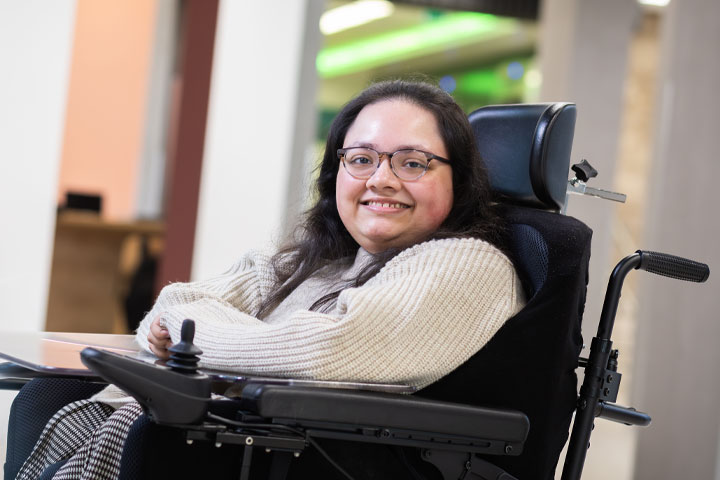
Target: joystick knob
184	355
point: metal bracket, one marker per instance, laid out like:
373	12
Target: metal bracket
578	184
578	187
610	386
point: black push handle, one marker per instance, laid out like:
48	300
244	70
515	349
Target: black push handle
626	415
601	348
673	267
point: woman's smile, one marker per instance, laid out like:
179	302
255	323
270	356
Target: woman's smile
383	205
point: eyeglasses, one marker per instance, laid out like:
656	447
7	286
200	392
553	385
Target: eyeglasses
362	162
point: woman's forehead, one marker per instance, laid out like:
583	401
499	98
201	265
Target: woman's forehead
395	124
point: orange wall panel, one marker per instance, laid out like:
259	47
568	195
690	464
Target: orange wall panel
107	101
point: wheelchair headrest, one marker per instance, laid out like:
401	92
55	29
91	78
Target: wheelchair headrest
526	149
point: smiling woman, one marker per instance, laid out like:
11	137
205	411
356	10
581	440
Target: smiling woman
397	275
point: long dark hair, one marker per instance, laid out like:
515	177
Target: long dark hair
322	238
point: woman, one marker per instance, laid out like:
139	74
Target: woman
396	276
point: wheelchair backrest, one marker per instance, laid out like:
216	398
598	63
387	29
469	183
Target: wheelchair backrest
526	149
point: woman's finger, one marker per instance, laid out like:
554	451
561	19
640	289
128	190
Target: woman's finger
158	330
162	343
159	339
161	353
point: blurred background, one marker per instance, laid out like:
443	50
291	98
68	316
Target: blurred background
150	141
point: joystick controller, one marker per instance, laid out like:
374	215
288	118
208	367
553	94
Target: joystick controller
184	355
173	394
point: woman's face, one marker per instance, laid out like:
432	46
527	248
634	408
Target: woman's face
383	211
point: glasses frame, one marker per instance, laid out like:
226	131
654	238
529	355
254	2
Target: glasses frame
428	156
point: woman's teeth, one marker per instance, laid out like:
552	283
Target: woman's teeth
387	205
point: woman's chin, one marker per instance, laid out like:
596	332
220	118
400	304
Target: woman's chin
380	243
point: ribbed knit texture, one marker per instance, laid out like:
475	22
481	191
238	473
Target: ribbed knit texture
424	314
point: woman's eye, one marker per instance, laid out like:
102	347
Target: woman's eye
361	161
413	165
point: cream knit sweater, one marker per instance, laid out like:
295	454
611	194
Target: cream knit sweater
425	313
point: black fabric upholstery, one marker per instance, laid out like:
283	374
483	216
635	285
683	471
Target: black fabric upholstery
529	365
531	257
36	402
136	449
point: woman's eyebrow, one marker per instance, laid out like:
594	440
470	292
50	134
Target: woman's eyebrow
362	145
399	147
411	147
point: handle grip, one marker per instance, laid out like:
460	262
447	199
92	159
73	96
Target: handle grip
673	267
625	415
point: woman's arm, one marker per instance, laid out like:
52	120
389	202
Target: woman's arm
429	309
242	287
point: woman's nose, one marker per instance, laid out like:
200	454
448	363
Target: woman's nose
384	177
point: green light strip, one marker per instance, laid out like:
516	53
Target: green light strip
490	81
451	28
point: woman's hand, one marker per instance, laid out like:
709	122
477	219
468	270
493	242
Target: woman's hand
159	339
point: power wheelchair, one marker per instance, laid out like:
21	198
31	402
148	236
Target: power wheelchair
511	405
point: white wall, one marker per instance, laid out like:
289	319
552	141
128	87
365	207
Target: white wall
258	81
35	49
678	356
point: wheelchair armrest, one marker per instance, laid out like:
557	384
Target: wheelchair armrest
182	399
394	417
167	396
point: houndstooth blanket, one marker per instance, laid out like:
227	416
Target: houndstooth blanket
89	435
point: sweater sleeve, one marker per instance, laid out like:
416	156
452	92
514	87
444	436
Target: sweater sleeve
427	311
242	288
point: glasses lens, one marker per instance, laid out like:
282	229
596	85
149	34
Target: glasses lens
361	162
409	164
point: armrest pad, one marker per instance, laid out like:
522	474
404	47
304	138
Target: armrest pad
373	409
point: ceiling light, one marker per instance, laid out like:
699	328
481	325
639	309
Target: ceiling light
354	14
654	3
449	31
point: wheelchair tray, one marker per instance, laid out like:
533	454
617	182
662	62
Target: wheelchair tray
58	354
34	354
